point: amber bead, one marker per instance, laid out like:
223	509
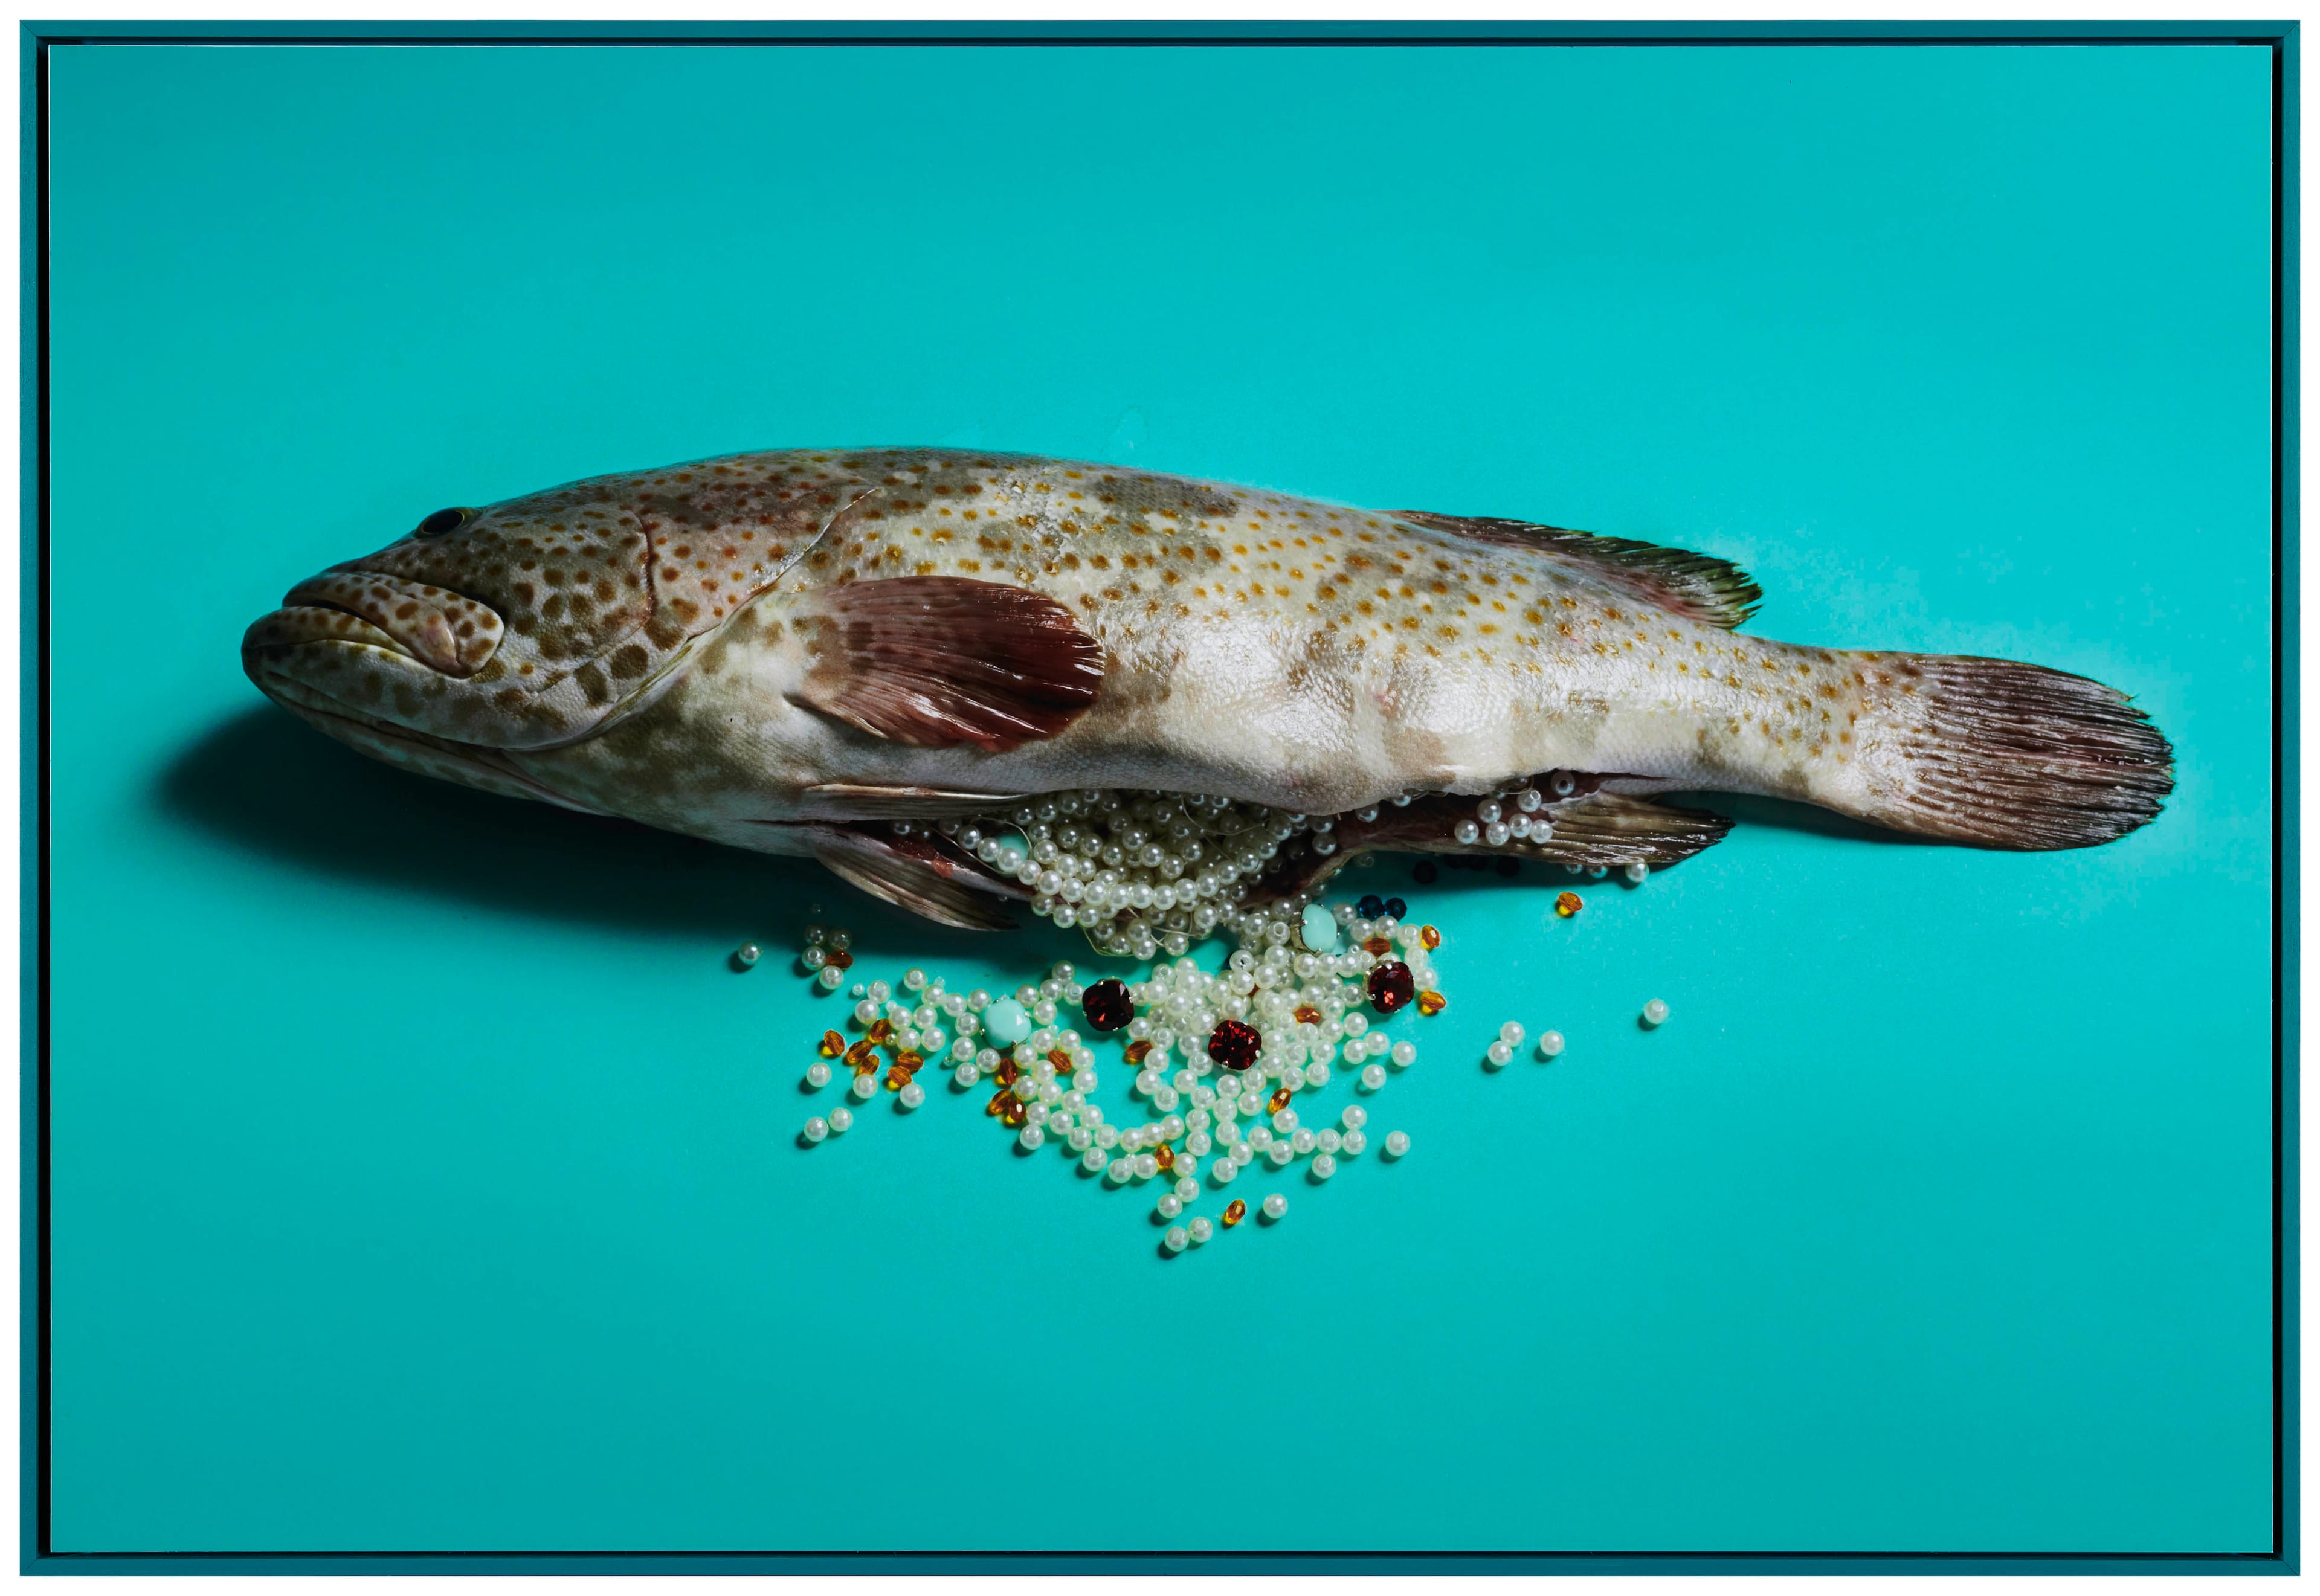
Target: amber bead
881	1032
998	1104
1107	1006
1567	904
1015	1113
1009	1072
1060	1059
1431	937
1279	1099
1234	1045
897	1078
1378	945
862	1056
832	1043
1234	1211
1307	1014
1432	1002
1389	986
837	959
1165	1157
1136	1051
909	1059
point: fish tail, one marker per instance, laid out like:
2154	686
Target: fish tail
2002	754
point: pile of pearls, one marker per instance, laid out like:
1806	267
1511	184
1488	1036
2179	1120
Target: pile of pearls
1142	873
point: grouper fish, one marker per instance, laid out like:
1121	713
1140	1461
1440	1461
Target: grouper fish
909	662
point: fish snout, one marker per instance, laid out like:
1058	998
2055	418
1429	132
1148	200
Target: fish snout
445	630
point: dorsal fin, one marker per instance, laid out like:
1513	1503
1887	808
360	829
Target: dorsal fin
1698	586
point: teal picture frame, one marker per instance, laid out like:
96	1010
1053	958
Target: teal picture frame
40	45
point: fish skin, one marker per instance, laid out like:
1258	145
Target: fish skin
658	653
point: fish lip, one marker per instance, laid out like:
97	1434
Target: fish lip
448	632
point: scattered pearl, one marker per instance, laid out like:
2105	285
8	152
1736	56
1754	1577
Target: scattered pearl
1177	1239
1323	1166
865	1086
1397	1143
1120	1171
1636	871
816	1128
1549	1043
1511	1033
1354	1117
1353	1143
1275	1206
829	977
1404	1054
1280	1153
817	1075
841	1120
1223	1170
1498	1054
912	1095
1372	1077
1091	1160
967	1074
747	954
1201	1231
1170	1205
1655	1013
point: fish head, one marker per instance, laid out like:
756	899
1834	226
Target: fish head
535	623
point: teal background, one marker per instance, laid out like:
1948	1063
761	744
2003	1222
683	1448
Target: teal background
425	1180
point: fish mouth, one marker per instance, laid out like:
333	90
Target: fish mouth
448	633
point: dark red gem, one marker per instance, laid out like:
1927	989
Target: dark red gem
1107	1005
1390	988
1234	1045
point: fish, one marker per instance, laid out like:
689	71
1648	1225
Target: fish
970	682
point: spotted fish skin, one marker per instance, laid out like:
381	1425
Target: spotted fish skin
711	648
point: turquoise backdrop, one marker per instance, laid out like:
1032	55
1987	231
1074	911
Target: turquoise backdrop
423	1177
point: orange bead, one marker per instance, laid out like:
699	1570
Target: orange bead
1307	1014
832	1043
998	1104
897	1078
1234	1211
1017	1113
1567	904
1429	936
1137	1052
881	1032
1432	1002
1165	1157
1278	1100
862	1056
1060	1059
838	959
909	1059
1009	1072
1378	945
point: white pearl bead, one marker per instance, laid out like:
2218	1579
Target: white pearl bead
1498	1052
865	1086
1302	1142
1223	1170
1032	1135
1404	1054
912	1095
829	978
1147	1165
841	1120
1323	1166
1549	1043
1353	1143
1285	1120
1328	1140
817	1075
1655	1013
1275	1206
1280	1153
1397	1143
1091	1160
1170	1205
1354	1117
1511	1033
1177	1239
1201	1231
1636	871
816	1128
1120	1171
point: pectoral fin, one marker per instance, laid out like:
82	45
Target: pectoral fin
928	886
939	661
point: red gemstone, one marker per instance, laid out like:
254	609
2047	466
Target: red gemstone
1107	1006
1390	987
1234	1045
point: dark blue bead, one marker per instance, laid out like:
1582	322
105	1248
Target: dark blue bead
1397	908
1370	907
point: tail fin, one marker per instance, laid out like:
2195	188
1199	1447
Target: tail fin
2005	755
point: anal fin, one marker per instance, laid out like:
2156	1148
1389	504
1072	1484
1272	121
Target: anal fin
926	886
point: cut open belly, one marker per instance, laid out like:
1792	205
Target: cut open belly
1143	873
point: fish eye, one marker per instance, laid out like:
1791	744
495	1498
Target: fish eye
444	521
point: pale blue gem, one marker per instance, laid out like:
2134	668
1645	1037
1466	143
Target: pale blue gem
1320	929
1006	1021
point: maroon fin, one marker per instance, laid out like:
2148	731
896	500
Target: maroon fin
937	661
866	800
931	886
1698	586
2006	754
